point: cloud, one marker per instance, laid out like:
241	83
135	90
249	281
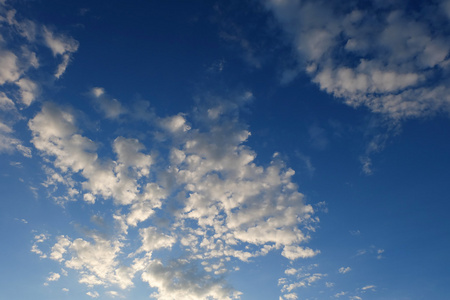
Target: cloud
60	45
52	277
344	270
22	42
56	135
28	90
206	198
388	58
298	278
93	294
183	280
40	238
368	287
340	294
9	69
110	107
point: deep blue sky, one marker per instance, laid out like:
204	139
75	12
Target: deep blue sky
224	150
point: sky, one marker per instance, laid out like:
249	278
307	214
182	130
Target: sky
252	149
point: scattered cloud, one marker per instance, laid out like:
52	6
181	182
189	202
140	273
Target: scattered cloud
298	278
220	207
22	44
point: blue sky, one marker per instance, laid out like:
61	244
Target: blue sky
273	149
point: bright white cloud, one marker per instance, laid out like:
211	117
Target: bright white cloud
344	270
215	204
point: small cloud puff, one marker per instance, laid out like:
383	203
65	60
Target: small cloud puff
344	270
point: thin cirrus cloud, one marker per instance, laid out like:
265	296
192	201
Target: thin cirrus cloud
383	55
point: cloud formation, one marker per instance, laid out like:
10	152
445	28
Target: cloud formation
218	206
23	44
391	57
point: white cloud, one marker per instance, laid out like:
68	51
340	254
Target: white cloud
28	90
113	293
93	294
294	252
207	199
6	104
392	63
182	280
291	296
175	123
53	277
9	69
344	270
110	107
340	294
40	238
368	287
59	43
153	240
65	290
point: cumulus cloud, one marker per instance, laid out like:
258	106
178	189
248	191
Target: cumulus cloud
22	42
52	277
207	199
388	58
344	270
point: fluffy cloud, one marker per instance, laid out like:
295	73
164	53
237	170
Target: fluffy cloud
344	270
22	42
206	198
387	58
56	135
182	280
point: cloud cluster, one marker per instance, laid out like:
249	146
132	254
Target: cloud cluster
22	45
197	211
391	57
298	278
